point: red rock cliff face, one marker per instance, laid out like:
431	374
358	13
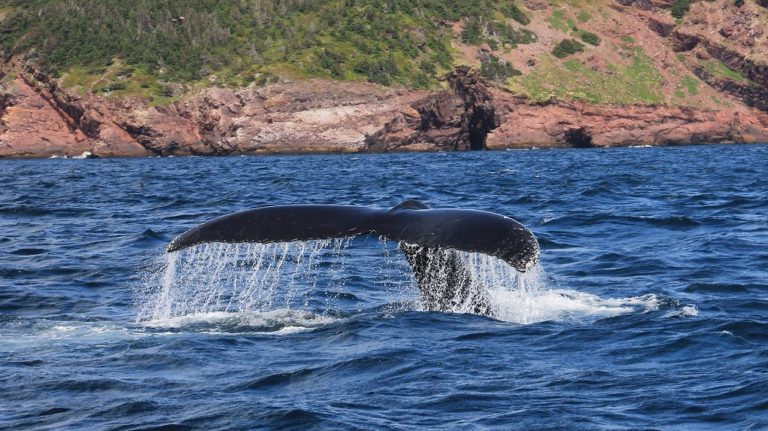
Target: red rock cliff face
39	119
578	124
298	117
42	120
32	126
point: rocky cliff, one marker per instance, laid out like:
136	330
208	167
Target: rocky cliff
39	119
650	80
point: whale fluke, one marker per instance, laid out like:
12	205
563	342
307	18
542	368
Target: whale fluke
410	222
428	237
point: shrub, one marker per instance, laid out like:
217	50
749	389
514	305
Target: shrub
497	70
332	61
590	38
428	67
514	12
507	34
567	47
379	70
473	32
680	8
115	86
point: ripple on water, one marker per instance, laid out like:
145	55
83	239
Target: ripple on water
29	251
651	312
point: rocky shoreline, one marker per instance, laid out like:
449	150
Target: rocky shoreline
40	119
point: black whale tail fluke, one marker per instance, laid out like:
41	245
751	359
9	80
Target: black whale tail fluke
280	224
411	222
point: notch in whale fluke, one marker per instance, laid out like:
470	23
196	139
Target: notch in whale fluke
411	222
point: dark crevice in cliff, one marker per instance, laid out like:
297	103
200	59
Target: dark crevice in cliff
578	138
6	101
751	94
143	135
39	84
480	124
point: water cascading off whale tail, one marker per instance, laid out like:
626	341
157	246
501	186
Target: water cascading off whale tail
411	222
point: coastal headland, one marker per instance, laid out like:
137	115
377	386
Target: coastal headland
640	77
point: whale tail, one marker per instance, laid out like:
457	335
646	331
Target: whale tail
428	237
410	222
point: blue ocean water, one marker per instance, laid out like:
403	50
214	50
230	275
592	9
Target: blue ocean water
649	309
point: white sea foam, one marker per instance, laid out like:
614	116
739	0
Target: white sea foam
274	321
688	310
565	305
68	333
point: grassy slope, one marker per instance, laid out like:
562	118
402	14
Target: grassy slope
238	42
141	48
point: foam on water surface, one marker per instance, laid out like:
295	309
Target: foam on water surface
67	333
275	321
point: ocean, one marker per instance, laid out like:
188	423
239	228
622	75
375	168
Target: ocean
648	310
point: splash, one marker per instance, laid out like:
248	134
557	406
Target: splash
531	297
294	285
248	280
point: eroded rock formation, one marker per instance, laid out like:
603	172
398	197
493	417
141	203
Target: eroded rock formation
458	119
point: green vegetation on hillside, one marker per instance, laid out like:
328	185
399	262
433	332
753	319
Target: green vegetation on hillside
567	47
387	41
473	31
589	37
507	35
680	8
511	10
558	21
636	82
497	70
691	84
495	33
719	69
161	50
628	40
